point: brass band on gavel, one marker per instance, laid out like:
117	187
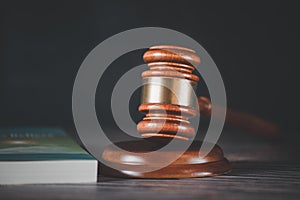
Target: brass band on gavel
166	90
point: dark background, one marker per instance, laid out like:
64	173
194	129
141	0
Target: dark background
43	43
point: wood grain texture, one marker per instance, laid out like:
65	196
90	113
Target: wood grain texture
255	180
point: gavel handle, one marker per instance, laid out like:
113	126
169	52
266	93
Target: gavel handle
241	120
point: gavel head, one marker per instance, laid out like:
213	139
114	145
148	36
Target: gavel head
168	97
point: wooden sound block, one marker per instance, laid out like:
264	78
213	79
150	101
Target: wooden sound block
188	165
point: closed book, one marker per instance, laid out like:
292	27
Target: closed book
43	155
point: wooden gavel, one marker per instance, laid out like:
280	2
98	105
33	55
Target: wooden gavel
168	101
172	66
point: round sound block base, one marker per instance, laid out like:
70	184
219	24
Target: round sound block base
188	165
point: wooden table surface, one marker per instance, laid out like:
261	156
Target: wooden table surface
263	168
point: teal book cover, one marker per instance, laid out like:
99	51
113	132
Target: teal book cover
32	144
42	156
